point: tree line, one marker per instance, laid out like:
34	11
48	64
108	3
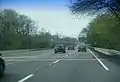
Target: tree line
104	30
18	31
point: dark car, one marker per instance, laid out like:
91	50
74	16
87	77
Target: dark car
71	47
82	48
60	48
2	66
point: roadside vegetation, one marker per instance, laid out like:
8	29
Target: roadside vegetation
18	31
103	31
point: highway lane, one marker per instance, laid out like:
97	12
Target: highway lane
73	66
19	65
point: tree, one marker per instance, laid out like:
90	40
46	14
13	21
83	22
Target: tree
7	27
96	6
104	32
18	31
14	29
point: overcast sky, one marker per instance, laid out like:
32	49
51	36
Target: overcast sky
53	15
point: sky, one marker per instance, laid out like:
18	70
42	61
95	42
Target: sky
53	15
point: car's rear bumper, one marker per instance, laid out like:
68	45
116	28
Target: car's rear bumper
82	49
60	50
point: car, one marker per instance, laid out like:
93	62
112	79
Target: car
82	48
71	47
60	48
2	66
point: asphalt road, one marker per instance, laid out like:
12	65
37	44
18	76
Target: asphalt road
73	66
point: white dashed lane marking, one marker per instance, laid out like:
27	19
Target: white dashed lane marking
25	78
54	62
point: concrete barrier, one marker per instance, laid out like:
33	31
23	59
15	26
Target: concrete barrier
107	51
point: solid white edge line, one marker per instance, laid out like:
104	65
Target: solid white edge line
104	66
27	77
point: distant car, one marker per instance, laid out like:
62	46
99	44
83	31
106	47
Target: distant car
71	47
2	66
82	48
60	48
